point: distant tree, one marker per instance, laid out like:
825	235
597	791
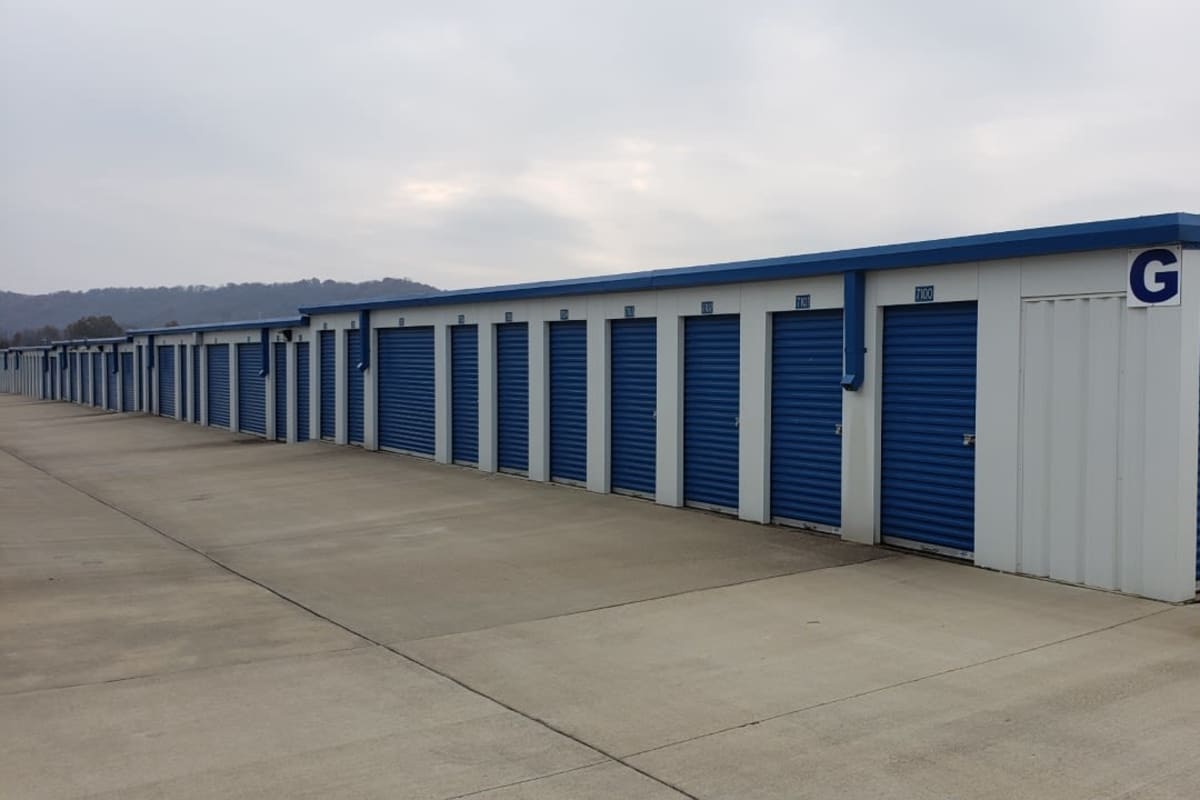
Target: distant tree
172	324
94	328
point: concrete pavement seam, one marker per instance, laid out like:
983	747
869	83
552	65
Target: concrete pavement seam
364	646
668	596
348	629
523	781
900	684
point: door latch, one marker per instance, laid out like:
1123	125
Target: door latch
968	440
838	429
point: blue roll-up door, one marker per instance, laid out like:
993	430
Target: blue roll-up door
328	369
568	401
73	372
218	385
252	390
710	412
404	358
183	382
84	369
512	396
196	350
303	370
50	377
110	381
928	421
127	401
806	416
98	380
138	378
464	394
281	386
633	396
354	387
166	380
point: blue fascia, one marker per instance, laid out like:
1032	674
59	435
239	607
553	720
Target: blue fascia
1108	234
241	325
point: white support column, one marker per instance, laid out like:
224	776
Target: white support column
293	387
441	394
669	460
539	400
754	410
371	392
235	421
341	402
487	397
860	436
598	375
180	365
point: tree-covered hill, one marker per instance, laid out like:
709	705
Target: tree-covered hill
149	307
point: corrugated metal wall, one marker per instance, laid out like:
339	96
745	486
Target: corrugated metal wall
1083	399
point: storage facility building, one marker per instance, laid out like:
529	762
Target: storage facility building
1028	400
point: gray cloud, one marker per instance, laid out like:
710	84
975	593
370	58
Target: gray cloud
474	143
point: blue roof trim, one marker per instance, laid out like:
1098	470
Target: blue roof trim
89	342
240	325
1131	232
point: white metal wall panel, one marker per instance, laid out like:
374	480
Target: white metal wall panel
1086	399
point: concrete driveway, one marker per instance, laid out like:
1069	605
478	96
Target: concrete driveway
189	613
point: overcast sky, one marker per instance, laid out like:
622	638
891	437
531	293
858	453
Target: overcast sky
155	142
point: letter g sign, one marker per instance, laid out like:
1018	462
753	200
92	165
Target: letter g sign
1153	278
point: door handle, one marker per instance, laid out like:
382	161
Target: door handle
968	440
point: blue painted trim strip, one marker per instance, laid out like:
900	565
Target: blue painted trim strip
854	320
265	341
1108	234
150	352
243	325
364	335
